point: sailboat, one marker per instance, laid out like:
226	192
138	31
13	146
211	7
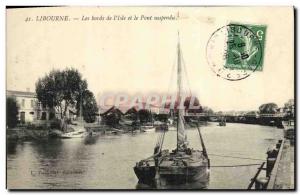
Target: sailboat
222	121
183	164
79	130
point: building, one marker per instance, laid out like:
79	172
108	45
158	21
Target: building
30	109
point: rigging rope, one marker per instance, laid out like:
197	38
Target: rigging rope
158	140
172	76
243	165
186	75
237	157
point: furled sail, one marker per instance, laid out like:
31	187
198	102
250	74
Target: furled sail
181	134
181	138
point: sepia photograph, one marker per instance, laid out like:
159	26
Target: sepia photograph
150	98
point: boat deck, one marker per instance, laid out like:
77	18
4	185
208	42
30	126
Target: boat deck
182	159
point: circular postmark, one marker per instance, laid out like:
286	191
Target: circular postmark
233	52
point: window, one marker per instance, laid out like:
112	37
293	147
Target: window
38	114
22	117
32	113
44	116
51	115
32	103
39	105
23	103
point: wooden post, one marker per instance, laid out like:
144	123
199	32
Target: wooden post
255	176
202	142
270	165
273	174
278	145
261	183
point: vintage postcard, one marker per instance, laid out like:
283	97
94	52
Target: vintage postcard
142	98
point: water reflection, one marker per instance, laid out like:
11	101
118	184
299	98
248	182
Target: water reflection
11	147
160	183
90	140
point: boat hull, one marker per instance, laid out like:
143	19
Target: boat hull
161	128
145	174
184	174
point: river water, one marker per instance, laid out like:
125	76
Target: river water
107	162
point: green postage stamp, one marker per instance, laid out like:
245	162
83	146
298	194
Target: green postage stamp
235	51
245	52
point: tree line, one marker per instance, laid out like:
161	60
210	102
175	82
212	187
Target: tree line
60	90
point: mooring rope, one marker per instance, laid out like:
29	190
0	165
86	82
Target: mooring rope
237	157
243	165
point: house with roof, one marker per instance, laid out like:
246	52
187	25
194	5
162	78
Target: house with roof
111	116
30	109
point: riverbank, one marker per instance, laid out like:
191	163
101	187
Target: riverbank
283	175
24	133
21	133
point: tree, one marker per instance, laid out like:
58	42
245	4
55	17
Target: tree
251	113
87	102
207	110
12	111
289	108
289	105
60	89
269	108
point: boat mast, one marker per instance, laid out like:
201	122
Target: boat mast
181	137
178	83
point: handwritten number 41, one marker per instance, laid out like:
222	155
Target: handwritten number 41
27	19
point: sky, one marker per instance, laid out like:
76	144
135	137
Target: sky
138	56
